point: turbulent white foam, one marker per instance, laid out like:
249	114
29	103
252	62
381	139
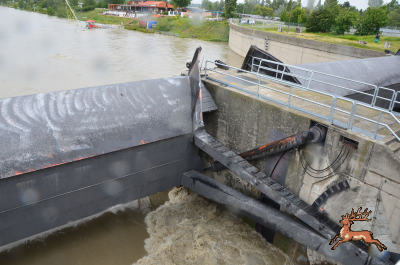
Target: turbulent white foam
190	230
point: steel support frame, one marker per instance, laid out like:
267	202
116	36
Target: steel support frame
356	252
267	216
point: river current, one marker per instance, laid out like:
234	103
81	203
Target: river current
38	54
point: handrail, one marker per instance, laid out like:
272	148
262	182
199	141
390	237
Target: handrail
332	107
374	97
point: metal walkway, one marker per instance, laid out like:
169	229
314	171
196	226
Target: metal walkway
355	253
363	118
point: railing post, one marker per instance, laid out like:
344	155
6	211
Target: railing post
353	112
277	65
393	101
290	95
258	88
205	70
374	97
229	77
377	125
283	72
309	81
332	110
252	64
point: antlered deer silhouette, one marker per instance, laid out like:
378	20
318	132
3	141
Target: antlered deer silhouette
347	235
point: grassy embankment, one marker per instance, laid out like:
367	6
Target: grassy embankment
189	28
347	40
179	27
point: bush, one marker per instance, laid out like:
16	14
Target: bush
88	8
372	20
320	20
344	21
50	11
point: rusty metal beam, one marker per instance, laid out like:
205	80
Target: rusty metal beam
313	135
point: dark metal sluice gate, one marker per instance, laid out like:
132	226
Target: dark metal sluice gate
69	155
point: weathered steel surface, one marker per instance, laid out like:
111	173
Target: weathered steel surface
276	192
36	202
45	130
79	152
269	217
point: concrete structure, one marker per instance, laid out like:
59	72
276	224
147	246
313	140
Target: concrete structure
243	122
142	6
293	50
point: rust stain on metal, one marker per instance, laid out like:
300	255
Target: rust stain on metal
267	147
17	172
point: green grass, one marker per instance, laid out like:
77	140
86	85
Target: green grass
191	28
348	40
99	18
135	26
175	26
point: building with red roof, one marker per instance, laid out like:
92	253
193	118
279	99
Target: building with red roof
143	6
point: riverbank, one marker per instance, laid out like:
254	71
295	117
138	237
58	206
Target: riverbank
173	26
348	39
188	28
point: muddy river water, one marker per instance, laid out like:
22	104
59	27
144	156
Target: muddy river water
40	54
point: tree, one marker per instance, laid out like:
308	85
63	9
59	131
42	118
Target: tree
345	20
21	4
372	20
310	4
393	5
297	15
88	5
264	11
331	4
181	3
320	20
346	4
394	18
319	5
230	6
375	3
279	11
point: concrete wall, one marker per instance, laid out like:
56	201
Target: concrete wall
243	122
293	50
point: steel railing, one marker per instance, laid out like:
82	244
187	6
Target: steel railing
349	115
310	76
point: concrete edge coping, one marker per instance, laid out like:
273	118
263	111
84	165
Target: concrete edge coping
310	44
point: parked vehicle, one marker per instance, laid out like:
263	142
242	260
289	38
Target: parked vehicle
247	21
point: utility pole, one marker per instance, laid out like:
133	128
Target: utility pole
290	14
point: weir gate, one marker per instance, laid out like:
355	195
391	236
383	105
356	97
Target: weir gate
69	155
